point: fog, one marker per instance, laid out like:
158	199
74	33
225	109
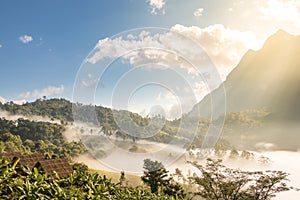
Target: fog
118	158
126	155
269	136
70	134
288	162
279	160
12	117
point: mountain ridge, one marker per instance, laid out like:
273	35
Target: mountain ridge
265	79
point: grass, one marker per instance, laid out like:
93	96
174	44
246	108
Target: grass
130	180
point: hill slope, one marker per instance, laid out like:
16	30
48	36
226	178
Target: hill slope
269	80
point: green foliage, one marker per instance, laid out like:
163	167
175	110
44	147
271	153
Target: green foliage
156	177
53	108
61	109
18	182
215	182
30	136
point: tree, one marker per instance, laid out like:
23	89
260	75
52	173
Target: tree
155	175
219	182
268	184
106	128
174	189
234	154
247	155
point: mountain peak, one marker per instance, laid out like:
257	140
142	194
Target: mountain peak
281	32
279	36
268	78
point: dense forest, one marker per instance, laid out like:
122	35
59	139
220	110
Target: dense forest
30	137
169	130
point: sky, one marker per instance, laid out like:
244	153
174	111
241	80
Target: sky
57	48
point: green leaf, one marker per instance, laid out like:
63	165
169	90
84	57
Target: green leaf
15	163
35	171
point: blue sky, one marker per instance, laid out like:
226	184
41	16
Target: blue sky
44	43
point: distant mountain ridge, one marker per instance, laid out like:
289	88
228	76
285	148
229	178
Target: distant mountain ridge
265	79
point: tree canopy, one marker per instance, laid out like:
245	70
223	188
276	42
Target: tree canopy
216	181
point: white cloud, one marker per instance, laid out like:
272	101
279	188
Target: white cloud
159	48
165	104
286	11
176	104
224	46
198	12
49	91
172	50
2	100
25	38
20	102
91	82
0	45
157	5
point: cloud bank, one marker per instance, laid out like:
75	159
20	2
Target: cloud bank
224	46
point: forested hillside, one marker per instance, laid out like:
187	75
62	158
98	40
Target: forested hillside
61	109
30	136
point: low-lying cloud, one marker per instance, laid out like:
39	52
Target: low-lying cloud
2	100
49	91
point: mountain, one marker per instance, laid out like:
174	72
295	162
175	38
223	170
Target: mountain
267	79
